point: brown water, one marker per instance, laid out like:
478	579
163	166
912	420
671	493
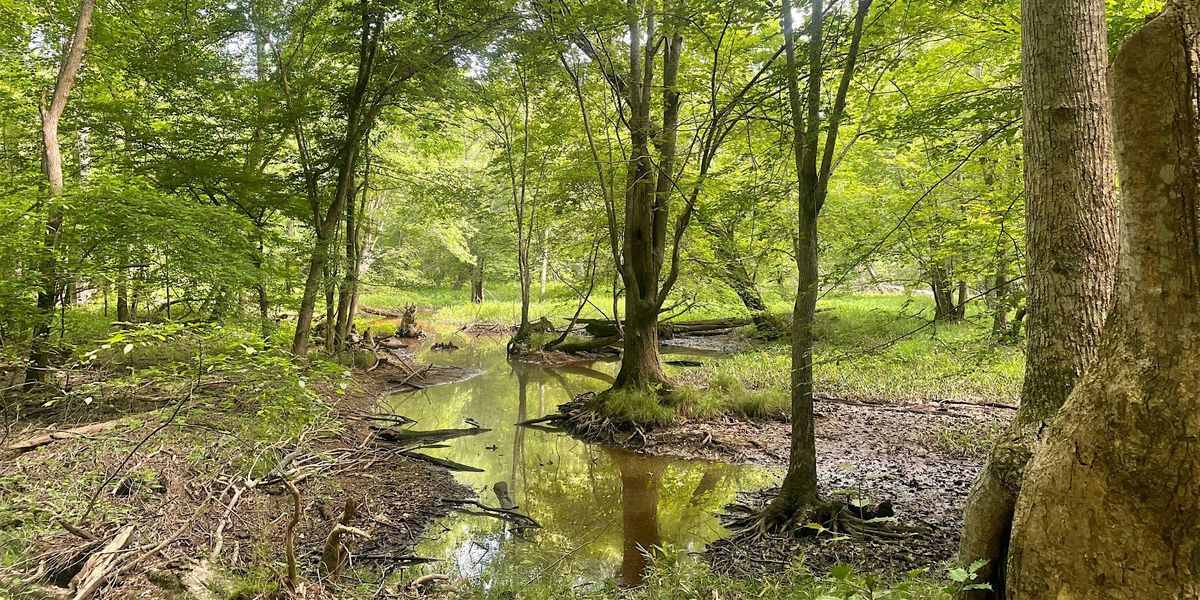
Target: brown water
601	509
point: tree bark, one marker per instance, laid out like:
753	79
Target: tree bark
1110	505
1071	226
39	354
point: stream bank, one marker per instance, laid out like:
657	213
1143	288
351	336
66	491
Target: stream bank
199	491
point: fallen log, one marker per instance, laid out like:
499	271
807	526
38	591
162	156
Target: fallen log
606	327
591	345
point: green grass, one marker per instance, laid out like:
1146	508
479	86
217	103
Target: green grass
637	406
866	348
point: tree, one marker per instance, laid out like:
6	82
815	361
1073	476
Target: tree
1108	505
47	296
798	497
1071	226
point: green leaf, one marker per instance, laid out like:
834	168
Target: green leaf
840	572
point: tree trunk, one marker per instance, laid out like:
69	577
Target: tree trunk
1071	221
358	118
798	493
1110	505
640	363
477	286
39	354
545	257
998	298
960	305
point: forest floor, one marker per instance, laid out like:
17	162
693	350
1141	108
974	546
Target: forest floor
198	481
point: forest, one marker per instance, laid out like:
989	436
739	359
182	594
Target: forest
603	299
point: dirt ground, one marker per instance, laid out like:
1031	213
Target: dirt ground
921	458
196	528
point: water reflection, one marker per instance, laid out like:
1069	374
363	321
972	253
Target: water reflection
600	509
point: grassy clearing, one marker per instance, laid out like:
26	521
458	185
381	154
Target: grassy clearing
866	348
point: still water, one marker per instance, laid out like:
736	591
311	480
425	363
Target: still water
600	508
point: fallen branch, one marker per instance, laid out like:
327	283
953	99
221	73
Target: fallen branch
334	555
102	565
289	535
546	419
50	437
441	462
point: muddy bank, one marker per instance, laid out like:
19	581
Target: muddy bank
198	525
921	458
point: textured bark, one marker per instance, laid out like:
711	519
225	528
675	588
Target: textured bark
1110	505
648	189
1071	222
39	355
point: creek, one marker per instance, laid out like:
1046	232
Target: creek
600	509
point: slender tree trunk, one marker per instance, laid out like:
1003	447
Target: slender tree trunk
1071	221
357	122
960	305
545	257
798	493
39	356
999	296
1110	505
260	286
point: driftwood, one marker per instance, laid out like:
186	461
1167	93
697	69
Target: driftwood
669	329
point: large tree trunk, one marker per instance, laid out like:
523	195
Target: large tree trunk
1071	221
1110	506
39	354
640	363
